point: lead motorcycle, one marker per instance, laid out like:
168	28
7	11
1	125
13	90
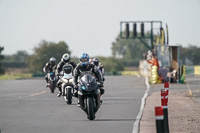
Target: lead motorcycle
89	95
67	83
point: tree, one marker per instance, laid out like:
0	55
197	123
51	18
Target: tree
2	71
19	56
43	52
130	50
190	53
111	64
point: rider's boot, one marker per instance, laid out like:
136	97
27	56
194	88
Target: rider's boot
98	100
102	91
80	101
47	85
60	92
46	78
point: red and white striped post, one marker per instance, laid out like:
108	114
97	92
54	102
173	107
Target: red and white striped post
166	86
159	119
164	102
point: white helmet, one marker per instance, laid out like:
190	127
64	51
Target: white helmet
66	57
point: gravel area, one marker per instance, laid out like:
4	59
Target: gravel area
183	110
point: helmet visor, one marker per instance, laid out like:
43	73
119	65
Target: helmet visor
83	59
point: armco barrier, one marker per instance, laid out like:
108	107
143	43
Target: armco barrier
38	74
189	69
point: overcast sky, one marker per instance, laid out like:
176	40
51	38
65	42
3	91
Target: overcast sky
91	25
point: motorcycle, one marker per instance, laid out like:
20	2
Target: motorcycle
89	96
52	82
67	83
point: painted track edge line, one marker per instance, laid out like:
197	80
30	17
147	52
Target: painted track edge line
139	116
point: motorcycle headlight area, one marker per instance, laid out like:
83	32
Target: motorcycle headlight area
52	74
90	86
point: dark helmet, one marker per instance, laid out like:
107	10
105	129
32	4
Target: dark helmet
84	59
66	58
52	60
95	61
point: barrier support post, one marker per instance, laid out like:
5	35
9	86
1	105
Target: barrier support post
159	119
164	102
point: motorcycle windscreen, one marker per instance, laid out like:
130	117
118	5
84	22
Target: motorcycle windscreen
67	69
52	74
89	83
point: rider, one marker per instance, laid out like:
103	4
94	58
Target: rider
49	67
84	67
99	66
65	60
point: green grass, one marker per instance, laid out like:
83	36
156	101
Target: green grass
15	76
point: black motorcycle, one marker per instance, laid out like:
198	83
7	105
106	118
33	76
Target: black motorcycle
89	95
52	82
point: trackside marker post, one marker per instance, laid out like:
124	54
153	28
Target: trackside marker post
159	119
164	103
166	86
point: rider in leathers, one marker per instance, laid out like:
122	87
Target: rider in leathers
49	67
84	67
65	60
99	66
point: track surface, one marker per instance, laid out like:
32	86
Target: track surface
26	106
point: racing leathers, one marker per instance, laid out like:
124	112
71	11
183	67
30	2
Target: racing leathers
90	69
58	70
49	67
101	71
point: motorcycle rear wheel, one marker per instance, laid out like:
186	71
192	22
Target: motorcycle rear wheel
52	86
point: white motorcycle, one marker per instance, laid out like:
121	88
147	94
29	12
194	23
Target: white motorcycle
67	83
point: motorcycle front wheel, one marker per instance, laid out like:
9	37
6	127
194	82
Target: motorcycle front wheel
69	96
90	109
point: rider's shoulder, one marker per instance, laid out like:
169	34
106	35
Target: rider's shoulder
92	65
78	66
100	65
48	63
61	62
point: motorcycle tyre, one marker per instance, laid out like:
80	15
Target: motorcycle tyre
52	86
90	109
69	96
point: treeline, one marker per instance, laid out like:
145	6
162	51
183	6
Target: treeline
44	51
125	53
190	55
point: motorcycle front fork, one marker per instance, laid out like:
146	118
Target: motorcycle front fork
97	99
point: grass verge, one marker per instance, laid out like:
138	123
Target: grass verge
15	76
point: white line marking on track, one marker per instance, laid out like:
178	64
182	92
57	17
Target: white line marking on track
139	116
